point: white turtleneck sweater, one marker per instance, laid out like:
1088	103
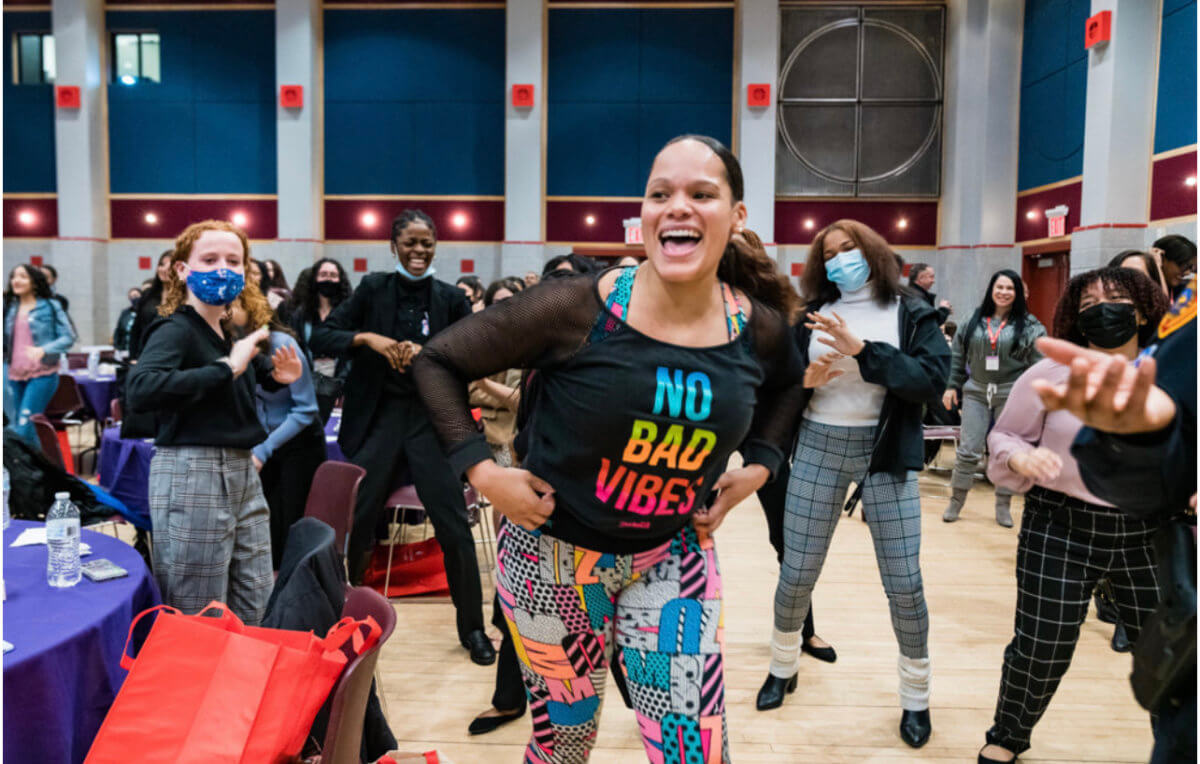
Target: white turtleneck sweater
848	401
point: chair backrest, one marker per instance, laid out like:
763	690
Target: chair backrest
343	737
49	439
114	410
77	360
67	398
332	498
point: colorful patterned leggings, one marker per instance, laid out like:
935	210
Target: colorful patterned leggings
567	607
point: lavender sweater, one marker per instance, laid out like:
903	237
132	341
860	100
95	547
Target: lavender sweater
1024	424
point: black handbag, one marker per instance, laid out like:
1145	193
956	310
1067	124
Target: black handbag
1164	658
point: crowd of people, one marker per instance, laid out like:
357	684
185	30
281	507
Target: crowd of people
610	493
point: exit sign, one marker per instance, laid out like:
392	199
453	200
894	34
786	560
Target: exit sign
633	230
1056	221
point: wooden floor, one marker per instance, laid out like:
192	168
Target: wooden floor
844	712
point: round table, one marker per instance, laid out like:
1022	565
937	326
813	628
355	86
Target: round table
64	670
98	392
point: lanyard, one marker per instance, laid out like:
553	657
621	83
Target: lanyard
994	338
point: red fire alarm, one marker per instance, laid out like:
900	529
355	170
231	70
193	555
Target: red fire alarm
67	97
360	265
467	265
37	260
758	94
291	96
144	263
797	269
1098	29
522	96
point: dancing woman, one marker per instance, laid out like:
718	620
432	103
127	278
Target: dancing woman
877	359
650	376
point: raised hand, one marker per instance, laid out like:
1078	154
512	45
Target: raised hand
288	367
1107	392
840	337
822	370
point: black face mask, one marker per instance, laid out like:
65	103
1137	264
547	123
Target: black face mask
329	288
1108	325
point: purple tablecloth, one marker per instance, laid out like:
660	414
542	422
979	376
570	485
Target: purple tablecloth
125	468
64	670
98	392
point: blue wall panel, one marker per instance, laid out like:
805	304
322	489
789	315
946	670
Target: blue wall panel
28	118
1053	92
1175	121
622	82
414	102
209	126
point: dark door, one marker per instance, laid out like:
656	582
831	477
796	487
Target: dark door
1046	274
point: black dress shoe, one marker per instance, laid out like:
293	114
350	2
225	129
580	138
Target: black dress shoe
1120	640
915	728
1106	611
481	725
773	690
481	648
827	654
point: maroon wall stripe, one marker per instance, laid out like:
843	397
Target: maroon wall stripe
1028	229
568	220
30	218
131	217
1170	196
797	221
456	220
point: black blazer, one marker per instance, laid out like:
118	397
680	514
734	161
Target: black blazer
372	308
914	375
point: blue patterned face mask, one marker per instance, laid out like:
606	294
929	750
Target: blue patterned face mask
216	287
849	270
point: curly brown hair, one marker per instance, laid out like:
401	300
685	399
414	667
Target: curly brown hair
885	271
1147	297
175	290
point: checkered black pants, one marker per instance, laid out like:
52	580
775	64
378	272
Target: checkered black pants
1065	546
827	460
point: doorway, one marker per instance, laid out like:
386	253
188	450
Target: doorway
1046	274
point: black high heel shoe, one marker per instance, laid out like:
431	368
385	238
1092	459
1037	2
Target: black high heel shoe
827	654
915	728
773	690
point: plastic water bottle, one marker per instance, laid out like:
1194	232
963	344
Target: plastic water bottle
93	364
64	363
62	541
7	513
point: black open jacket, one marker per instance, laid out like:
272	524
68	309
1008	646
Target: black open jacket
372	308
914	374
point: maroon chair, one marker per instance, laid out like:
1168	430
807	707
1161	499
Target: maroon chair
114	411
404	499
48	437
343	736
332	498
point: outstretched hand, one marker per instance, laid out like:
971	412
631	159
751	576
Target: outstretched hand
288	367
840	337
1107	392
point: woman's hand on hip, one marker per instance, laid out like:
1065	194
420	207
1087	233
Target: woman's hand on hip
732	487
35	353
519	495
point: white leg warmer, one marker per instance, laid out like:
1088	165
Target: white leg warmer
915	677
785	653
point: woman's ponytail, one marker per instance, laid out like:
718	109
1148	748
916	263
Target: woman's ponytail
747	266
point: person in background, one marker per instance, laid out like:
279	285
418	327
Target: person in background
211	521
1138	451
627	260
1177	254
572	261
319	290
274	284
36	331
874	357
51	274
497	396
531	278
949	329
385	426
921	278
473	288
125	321
147	306
997	346
1069	538
295	446
1145	262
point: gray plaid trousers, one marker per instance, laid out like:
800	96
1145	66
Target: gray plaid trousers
827	460
212	533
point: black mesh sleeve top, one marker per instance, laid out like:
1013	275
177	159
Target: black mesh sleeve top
631	431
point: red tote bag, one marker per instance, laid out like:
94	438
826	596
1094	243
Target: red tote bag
418	568
214	690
